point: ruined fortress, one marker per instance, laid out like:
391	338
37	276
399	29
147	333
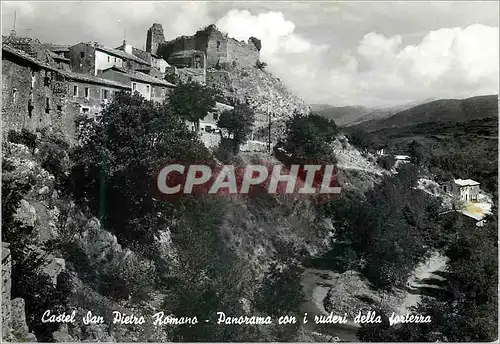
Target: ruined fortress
207	48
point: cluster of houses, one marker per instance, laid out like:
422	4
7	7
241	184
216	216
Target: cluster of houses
47	85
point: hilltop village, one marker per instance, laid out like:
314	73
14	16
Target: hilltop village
48	85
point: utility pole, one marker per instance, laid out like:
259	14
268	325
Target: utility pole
269	132
13	31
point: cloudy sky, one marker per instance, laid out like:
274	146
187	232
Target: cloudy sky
340	53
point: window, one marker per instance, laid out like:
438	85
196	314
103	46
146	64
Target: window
33	78
48	77
82	54
85	110
218	45
104	94
14	94
216	116
115	59
75	91
134	86
147	89
59	107
208	129
87	92
109	59
30	105
47	105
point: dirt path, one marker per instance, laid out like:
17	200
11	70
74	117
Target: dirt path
425	270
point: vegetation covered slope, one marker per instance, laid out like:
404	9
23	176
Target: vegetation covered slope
438	111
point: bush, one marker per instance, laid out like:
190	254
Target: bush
39	294
24	137
387	161
260	65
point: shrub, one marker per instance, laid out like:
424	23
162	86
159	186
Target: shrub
387	161
260	65
24	137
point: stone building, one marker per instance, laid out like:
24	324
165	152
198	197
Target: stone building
91	58
208	132
87	94
207	48
150	87
466	190
27	96
154	60
37	95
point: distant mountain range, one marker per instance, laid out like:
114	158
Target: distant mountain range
442	110
350	115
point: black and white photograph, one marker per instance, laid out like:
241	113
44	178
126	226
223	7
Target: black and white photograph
250	171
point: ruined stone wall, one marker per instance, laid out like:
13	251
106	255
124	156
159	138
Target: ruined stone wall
216	49
154	38
31	46
219	48
6	287
218	78
82	57
192	74
14	327
25	86
245	55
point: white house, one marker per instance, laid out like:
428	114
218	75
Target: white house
467	190
149	87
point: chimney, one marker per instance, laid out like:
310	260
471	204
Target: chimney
96	44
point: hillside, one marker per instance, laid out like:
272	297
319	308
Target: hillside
264	92
443	110
346	116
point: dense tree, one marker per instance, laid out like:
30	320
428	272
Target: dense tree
235	127
281	294
467	310
388	229
419	155
360	139
236	124
387	161
120	155
193	101
308	138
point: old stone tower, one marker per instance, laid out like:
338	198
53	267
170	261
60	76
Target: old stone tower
207	48
154	38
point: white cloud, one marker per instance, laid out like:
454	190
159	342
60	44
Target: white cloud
395	53
381	71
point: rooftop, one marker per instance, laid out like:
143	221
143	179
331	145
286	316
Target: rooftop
466	182
122	54
138	76
92	79
25	56
57	57
70	75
